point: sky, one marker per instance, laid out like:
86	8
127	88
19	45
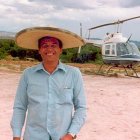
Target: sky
16	15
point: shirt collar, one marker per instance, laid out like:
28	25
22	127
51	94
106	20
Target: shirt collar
59	66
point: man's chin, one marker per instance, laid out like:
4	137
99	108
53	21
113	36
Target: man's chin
51	60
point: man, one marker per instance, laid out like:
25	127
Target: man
51	93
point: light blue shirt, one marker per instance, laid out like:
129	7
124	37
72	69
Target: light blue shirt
55	103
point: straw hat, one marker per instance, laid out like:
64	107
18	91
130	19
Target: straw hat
28	38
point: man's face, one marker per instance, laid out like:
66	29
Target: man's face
50	51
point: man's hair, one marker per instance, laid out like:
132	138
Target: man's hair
48	37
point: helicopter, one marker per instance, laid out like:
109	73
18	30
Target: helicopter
117	50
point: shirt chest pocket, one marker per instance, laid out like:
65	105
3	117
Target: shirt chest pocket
65	96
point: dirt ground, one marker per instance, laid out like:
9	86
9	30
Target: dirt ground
113	107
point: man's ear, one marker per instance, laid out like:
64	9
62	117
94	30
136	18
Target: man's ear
61	50
39	51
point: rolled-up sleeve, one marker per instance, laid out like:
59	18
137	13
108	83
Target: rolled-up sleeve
79	100
20	107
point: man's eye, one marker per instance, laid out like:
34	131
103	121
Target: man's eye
44	46
54	46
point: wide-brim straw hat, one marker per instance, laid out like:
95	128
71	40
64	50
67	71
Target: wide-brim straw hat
28	38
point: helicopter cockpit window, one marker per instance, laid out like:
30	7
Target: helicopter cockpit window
133	49
122	49
127	48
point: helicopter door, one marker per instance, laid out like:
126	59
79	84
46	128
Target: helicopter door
109	49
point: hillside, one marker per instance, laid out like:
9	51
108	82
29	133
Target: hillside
137	43
7	35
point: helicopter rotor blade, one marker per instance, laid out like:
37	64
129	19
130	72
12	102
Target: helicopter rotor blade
102	25
112	23
121	21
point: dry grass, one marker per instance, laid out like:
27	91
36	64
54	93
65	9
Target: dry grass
15	65
88	68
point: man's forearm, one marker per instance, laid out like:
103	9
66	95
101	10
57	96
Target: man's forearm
16	138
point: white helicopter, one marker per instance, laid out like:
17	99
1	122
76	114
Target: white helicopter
117	50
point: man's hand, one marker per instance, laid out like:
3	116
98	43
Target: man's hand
67	137
16	138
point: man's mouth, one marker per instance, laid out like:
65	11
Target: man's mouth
49	54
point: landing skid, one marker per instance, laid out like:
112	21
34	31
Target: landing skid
118	66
